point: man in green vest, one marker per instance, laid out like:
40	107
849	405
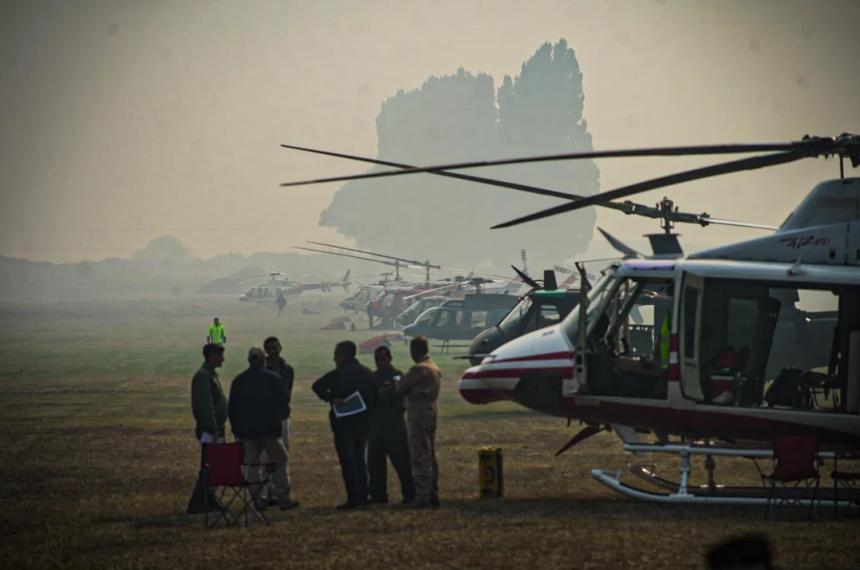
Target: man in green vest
217	334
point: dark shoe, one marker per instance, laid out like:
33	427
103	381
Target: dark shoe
288	504
418	504
435	503
380	500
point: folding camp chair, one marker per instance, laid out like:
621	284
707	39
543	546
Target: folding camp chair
795	476
223	470
845	480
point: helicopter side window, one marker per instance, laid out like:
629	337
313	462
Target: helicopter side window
771	345
479	320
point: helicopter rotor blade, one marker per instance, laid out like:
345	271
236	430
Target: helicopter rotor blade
623	153
752	163
391	263
412	261
706	220
626	207
526	279
479	179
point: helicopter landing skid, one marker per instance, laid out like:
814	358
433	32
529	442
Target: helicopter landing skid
681	493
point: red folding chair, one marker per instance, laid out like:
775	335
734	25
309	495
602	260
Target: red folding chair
795	477
223	470
848	481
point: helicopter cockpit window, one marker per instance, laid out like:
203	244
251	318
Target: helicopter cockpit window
548	316
629	341
512	321
771	345
596	299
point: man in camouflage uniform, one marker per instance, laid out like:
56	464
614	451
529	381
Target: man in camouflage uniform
420	390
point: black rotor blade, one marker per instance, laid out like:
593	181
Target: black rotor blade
526	279
626	207
751	163
624	153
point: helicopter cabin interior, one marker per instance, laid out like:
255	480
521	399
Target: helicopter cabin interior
770	344
628	344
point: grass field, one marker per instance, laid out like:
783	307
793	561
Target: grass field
98	460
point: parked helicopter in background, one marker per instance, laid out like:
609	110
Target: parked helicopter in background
713	389
268	291
545	304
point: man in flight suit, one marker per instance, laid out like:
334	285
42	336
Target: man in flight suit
387	436
420	390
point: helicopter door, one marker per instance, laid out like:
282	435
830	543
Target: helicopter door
690	331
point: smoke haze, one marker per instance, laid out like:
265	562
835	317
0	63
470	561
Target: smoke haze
122	122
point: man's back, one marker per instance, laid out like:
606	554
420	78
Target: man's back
256	402
421	385
341	383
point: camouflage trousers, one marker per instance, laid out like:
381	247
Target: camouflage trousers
421	426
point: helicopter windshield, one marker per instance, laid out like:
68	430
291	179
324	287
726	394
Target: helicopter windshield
596	296
515	316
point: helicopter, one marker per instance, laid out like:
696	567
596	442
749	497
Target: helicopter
707	381
544	304
268	291
462	319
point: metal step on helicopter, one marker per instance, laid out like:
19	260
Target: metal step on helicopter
724	372
278	285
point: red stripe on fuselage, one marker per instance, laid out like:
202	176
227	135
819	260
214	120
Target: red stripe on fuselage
547	356
567	371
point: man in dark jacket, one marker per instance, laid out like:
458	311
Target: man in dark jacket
256	403
350	427
209	406
387	436
279	366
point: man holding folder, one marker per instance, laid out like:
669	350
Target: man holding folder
351	391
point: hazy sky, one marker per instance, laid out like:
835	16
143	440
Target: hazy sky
134	119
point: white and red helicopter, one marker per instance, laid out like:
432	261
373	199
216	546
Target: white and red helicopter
714	353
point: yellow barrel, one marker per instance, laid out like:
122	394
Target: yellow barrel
490	472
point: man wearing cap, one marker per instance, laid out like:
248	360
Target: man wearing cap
256	401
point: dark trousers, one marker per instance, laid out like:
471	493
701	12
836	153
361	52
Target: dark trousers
389	441
351	445
201	496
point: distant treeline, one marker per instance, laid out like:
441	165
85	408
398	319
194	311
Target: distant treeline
164	269
462	117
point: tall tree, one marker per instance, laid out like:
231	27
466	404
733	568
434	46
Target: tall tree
459	117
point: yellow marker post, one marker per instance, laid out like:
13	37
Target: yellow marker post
490	472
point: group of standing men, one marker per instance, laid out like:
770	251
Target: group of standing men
259	414
365	436
378	430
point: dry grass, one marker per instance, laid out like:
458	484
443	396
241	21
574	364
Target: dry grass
98	460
